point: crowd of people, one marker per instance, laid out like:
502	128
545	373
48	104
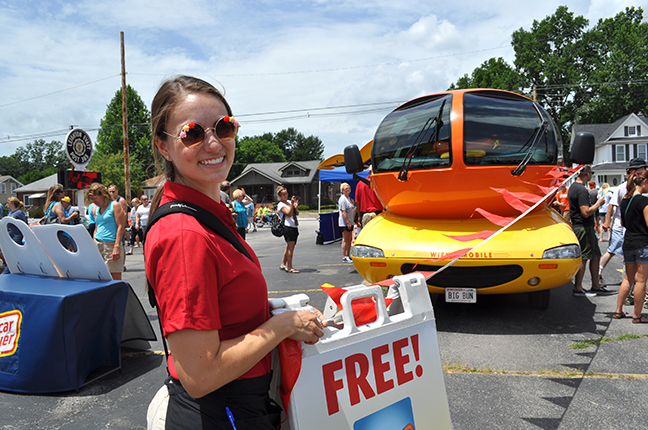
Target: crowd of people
622	214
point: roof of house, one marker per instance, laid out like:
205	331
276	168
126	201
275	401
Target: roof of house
602	132
154	182
40	185
273	171
7	177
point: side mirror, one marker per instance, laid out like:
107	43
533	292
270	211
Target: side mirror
352	159
582	150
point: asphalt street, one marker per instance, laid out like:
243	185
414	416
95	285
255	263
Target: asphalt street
506	366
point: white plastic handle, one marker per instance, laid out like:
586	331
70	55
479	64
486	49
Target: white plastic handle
359	293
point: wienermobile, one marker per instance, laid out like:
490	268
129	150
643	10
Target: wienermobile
446	166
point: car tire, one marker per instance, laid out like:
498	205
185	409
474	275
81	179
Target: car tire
539	299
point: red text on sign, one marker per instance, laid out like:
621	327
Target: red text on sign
9	332
368	374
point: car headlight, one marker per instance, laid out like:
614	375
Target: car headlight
363	251
562	252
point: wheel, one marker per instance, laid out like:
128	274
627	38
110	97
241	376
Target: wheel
539	299
434	298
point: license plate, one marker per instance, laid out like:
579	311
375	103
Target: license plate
461	295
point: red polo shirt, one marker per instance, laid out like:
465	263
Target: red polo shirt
201	281
367	199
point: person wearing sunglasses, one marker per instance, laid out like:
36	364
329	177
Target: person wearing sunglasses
110	226
212	299
142	215
55	213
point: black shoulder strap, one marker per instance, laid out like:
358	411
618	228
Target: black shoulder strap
203	216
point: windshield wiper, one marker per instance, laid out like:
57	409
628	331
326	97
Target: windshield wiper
535	138
438	123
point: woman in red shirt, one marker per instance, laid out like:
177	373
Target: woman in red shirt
212	300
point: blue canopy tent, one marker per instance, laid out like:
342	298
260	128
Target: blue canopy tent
329	221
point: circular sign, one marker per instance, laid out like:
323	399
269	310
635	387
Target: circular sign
78	147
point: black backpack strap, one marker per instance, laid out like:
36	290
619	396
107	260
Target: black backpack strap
206	218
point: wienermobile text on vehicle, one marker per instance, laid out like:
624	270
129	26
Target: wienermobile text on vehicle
445	166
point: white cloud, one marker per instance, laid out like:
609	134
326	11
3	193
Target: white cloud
268	57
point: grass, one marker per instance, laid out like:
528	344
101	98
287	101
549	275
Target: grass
544	373
590	342
601	340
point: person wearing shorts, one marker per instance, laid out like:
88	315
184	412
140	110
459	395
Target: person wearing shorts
345	221
110	221
613	217
582	217
634	216
288	210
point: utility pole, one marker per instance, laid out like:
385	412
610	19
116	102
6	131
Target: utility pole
127	190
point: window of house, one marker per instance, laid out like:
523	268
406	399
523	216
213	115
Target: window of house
293	172
641	151
3	188
13	188
632	131
620	153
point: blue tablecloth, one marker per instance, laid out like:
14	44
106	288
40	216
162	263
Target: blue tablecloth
328	226
54	332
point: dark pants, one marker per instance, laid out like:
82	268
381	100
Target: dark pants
241	231
247	399
136	232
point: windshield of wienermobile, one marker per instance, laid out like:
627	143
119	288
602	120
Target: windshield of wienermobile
407	136
502	130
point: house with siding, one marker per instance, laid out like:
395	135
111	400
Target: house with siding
616	145
8	186
260	180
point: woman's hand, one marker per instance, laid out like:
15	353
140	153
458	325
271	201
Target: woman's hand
116	251
307	325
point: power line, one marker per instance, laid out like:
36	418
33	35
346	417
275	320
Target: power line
57	92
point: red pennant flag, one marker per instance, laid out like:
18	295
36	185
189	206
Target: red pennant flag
468	237
495	219
364	309
290	359
512	200
527	197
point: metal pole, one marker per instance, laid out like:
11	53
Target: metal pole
127	190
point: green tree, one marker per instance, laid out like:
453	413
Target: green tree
111	167
493	73
618	50
35	175
30	162
110	136
287	145
255	149
12	165
297	147
550	57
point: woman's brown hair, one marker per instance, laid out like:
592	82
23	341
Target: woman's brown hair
52	196
635	179
97	189
17	203
170	94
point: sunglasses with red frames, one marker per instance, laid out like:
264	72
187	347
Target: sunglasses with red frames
193	134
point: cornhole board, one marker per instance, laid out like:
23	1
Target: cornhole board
42	254
385	375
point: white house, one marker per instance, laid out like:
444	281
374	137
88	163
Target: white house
616	144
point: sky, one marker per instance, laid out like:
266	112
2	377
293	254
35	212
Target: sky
331	69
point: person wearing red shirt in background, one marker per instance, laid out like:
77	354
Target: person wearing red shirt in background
563	202
368	203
